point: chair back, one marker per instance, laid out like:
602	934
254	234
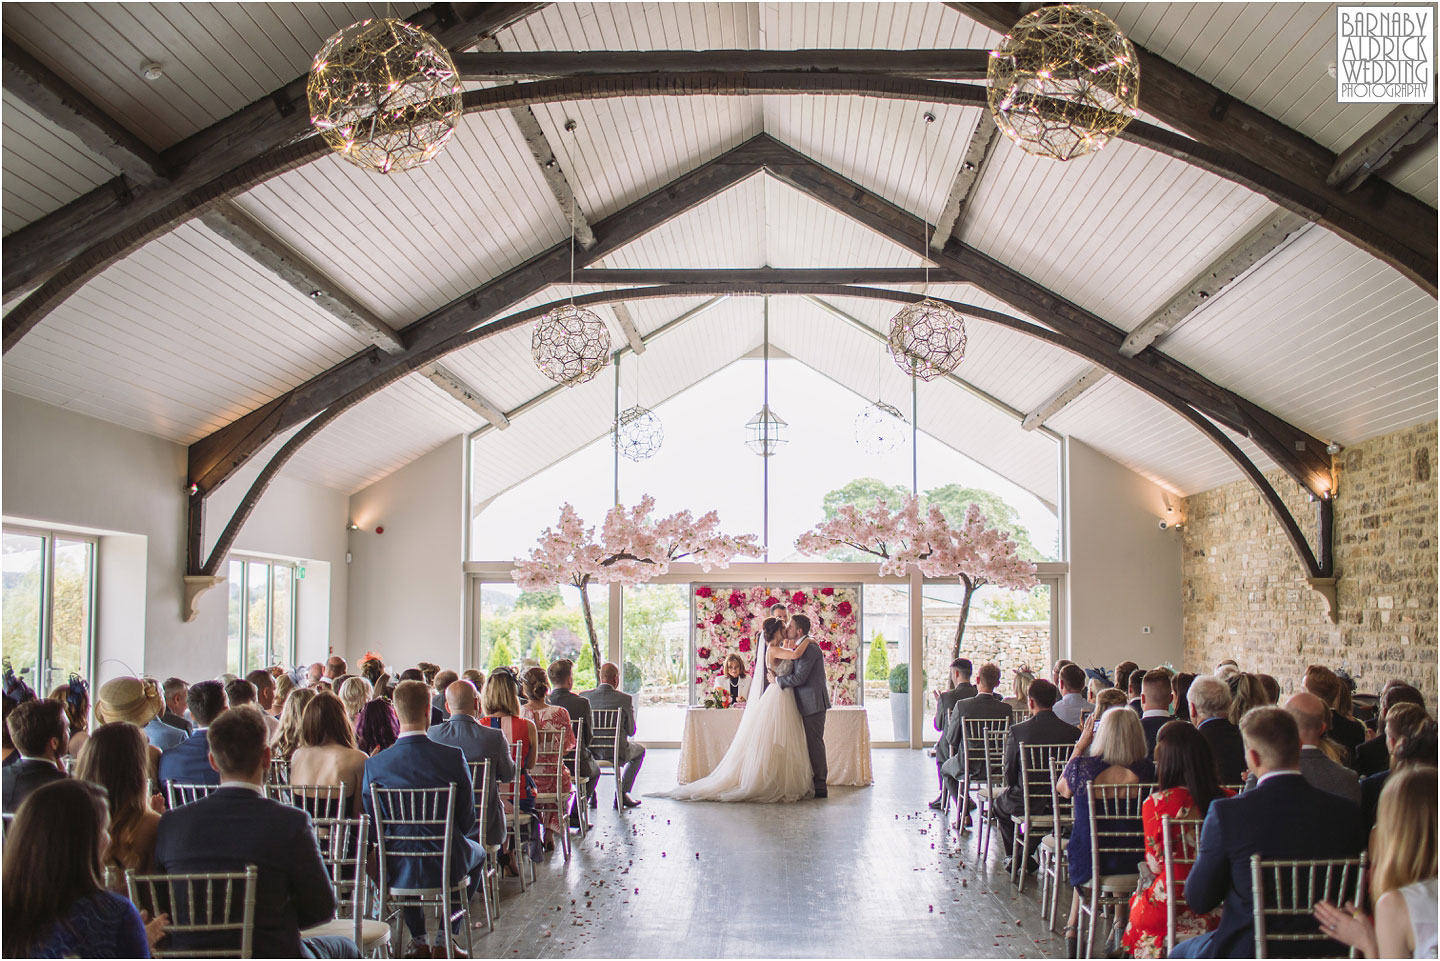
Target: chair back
1018	714
975	736
1285	893
1237	788
209	909
344	850
1035	774
325	803
480	786
605	725
1061	808
413	825
1180	843
177	794
279	773
1117	826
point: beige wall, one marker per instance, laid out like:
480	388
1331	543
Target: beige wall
1245	592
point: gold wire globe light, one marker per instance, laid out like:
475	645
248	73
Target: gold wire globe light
385	95
880	428
638	433
927	339
570	345
1063	81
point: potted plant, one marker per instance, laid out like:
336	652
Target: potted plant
900	700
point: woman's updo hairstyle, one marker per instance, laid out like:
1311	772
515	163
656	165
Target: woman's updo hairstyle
537	685
771	627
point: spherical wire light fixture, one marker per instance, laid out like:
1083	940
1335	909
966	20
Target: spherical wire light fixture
638	431
880	428
385	95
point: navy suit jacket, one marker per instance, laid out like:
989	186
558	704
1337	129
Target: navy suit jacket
189	761
1042	728
480	743
1227	746
421	762
1151	726
233	827
24	776
1285	817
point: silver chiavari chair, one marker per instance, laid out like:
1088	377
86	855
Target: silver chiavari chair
417	824
605	725
1180	843
345	850
974	734
1053	875
1117	831
323	802
994	786
583	785
489	880
1285	894
177	793
550	768
200	905
520	823
1035	793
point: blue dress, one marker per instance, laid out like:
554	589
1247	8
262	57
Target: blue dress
1078	774
103	925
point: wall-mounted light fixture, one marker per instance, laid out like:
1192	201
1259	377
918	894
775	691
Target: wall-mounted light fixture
352	526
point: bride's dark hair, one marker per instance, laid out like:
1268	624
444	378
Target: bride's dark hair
771	627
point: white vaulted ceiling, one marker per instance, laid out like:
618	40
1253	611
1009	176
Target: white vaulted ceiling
186	334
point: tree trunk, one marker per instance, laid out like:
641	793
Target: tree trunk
590	627
964	613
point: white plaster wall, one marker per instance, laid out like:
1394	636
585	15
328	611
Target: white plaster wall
407	584
1124	570
68	470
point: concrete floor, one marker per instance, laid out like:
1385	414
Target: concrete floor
869	872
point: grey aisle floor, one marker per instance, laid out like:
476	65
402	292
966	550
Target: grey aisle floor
868	872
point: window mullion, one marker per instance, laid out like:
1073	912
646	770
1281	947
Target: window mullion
47	618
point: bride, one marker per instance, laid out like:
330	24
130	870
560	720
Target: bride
768	760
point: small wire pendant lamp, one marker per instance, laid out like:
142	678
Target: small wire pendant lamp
766	430
638	431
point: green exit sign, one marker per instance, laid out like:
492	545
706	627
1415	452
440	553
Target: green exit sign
300	573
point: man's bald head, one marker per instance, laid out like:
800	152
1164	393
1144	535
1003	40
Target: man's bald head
460	697
1311	716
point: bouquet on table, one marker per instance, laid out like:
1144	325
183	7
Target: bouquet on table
718	698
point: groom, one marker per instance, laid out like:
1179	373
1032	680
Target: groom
811	696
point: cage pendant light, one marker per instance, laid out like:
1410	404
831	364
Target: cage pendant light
765	431
638	431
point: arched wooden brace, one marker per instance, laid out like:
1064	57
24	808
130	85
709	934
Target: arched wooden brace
1405	238
1317	568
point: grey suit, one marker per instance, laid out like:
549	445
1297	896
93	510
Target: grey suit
480	743
1319	771
579	710
979	706
945	703
632	753
812	697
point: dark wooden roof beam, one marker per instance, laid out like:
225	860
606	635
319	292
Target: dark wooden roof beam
530	65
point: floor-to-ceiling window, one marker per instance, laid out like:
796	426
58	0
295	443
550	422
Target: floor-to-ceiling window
48	605
262	619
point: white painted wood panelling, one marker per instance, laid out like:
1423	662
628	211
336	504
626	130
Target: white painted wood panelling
177	340
44	167
887	26
802	232
636	26
217	57
1416	173
1324	336
728	230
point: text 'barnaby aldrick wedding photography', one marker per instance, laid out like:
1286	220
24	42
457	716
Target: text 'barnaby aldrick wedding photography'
1385	54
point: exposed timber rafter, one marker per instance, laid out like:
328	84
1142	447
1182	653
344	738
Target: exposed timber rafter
529	65
1052	405
1403	128
967	179
601	276
39	88
627	326
254	240
458	388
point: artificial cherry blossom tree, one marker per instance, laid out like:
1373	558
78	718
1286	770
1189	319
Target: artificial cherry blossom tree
975	552
632	548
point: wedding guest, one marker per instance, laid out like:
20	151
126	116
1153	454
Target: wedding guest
501	703
562	678
1210	713
135	701
608	696
442	680
1186	784
1181	684
478	743
734	680
1402	883
287	736
376	728
1108	698
315	674
264	683
1271	688
437	716
76	698
1072	702
1226	671
335	667
354	694
39	733
1374	755
1055	671
115	758
1134	687
1116	756
55	902
284	687
1410	736
242	692
475	677
1311	716
428	672
1155	697
189	761
985	704
548	717
1093	687
327	753
1123	670
1326	684
1020	690
1043	727
174	690
960	689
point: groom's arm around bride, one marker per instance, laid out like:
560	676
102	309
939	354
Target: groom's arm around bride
812	698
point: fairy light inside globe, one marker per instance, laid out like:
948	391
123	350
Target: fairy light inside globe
927	339
570	345
385	95
880	428
1063	81
639	433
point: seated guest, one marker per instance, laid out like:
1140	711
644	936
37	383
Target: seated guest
284	687
315	674
1271	687
1155	697
355	693
1093	687
1043	727
1402	883
1374	755
478	743
501	703
335	667
428	671
417	673
1055	671
264	683
1181	684
1410	736
327	753
189	761
1311	716
416	761
475	677
562	678
1117	756
1072	703
1282	817
237	826
1186	784
608	696
1106	699
1210	713
1326	684
134	701
1123	670
1134	687
733	680
1020	691
174	690
55	902
548	717
960	689
985	704
442	680
286	739
240	693
376	728
76	698
115	758
39	733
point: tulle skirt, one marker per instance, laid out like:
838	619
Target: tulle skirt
768	761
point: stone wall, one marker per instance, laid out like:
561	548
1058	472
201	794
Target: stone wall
1008	645
1244	590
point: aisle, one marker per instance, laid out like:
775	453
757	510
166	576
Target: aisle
856	875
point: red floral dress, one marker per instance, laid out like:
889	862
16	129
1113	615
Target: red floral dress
1145	935
552	717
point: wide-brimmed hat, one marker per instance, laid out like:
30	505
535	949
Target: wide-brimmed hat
129	699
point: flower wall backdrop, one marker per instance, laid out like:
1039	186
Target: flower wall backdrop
728	618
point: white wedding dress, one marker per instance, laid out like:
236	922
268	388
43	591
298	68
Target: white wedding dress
767	762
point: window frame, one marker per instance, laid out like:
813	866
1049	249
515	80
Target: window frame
271	563
44	664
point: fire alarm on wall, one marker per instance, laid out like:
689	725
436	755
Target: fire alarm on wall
379	530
